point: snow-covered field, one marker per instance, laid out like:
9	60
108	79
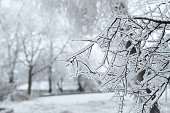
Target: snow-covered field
82	103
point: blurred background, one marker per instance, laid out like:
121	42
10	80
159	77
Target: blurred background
37	37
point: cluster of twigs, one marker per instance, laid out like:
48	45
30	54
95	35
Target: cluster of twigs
136	56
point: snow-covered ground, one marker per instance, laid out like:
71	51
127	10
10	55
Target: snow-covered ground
82	103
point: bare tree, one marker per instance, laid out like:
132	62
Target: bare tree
11	31
12	45
135	57
12	58
32	50
52	59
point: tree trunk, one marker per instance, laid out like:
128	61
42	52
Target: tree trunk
60	89
60	86
29	81
11	77
81	89
50	79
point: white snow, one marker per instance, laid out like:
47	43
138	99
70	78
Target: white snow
43	85
82	103
68	84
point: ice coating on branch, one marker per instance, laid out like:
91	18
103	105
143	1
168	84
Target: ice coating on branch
135	57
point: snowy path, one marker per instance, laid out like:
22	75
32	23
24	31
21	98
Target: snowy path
83	103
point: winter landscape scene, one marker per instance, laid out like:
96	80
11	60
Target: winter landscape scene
84	56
